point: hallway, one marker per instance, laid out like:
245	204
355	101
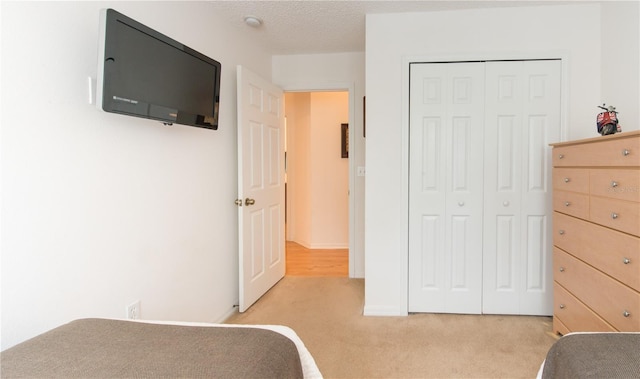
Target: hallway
316	262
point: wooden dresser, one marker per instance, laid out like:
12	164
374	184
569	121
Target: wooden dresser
596	234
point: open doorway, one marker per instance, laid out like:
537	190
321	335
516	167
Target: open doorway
317	183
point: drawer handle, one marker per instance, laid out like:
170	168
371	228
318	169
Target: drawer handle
561	306
614	215
567	180
626	152
561	232
561	269
566	203
614	184
626	261
561	156
626	314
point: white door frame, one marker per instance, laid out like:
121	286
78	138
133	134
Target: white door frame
349	87
460	57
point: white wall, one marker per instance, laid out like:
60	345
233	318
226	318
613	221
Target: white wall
98	209
620	45
298	114
329	172
317	176
336	72
570	32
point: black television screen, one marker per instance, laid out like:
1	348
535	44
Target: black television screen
144	73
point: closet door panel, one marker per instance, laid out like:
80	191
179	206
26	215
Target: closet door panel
502	243
445	256
464	188
427	190
532	101
541	109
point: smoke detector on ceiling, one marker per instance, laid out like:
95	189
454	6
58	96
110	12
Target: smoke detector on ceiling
253	21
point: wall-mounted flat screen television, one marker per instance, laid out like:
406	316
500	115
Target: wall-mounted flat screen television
144	73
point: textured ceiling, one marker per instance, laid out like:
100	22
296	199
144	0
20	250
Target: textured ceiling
329	26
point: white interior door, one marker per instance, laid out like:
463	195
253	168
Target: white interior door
445	187
261	186
522	118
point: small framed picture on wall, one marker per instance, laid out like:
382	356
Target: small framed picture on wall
344	140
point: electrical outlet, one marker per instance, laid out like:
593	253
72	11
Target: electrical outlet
133	311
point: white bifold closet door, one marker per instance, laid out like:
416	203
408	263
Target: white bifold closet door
479	192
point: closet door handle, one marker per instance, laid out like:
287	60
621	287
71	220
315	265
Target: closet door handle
249	201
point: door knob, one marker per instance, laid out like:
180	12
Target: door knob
238	202
249	201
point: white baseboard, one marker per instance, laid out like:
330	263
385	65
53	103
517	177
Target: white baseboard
327	246
384	311
222	319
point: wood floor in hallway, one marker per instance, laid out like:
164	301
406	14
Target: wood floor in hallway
316	262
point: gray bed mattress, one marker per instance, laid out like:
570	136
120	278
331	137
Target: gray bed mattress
594	355
101	348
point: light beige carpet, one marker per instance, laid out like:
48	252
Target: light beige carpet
327	314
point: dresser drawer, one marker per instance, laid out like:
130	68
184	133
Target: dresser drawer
571	179
573	203
617	184
610	299
607	151
573	315
559	326
616	214
615	253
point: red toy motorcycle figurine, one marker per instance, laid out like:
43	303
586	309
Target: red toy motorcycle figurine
608	120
